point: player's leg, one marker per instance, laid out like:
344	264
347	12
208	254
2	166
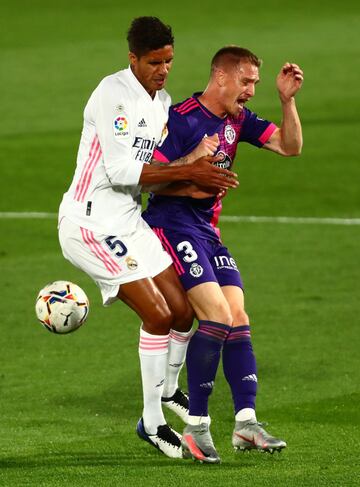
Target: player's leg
240	370
168	283
191	261
165	284
238	357
121	271
203	357
175	296
145	298
206	344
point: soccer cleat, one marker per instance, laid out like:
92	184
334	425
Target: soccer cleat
198	444
167	440
179	403
249	435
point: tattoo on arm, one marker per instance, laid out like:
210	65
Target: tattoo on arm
182	161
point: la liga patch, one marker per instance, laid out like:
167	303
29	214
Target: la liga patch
121	127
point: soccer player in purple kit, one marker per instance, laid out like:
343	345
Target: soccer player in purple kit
184	216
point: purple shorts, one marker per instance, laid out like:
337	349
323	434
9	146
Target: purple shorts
197	260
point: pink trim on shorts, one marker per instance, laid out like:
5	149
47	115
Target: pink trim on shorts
88	169
265	136
99	252
215	218
167	246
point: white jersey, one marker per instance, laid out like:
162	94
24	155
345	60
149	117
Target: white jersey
122	126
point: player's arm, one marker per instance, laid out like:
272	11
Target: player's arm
207	147
287	140
201	172
154	188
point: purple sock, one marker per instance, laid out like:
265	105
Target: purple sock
240	367
202	360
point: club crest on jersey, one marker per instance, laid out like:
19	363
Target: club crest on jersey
230	134
131	263
225	162
196	270
121	127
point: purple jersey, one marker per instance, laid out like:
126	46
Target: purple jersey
190	121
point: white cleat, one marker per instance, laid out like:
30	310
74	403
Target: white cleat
179	403
167	440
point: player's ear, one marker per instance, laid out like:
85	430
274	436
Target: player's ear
220	77
132	58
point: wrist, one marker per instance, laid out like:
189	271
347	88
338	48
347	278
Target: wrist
286	100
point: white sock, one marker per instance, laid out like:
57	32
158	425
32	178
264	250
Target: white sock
178	343
197	420
245	414
153	352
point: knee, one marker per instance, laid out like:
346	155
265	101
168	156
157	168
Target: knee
220	312
183	317
240	317
160	321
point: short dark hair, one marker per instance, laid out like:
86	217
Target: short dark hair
147	34
232	55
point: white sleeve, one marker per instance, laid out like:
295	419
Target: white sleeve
116	145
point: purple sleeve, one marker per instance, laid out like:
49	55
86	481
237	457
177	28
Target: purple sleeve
171	146
256	130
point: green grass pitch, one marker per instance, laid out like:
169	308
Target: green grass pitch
69	404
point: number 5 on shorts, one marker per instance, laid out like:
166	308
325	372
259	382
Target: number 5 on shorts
117	245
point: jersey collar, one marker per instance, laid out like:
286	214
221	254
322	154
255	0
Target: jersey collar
203	107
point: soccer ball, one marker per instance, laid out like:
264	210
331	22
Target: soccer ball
62	307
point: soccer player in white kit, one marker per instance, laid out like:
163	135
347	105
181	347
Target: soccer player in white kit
100	226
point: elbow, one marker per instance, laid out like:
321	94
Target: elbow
292	151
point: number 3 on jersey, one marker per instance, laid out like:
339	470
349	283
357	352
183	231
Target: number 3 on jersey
190	254
117	245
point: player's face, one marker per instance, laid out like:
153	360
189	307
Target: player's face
239	87
152	68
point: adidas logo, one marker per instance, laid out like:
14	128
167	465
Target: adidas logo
142	123
251	377
207	385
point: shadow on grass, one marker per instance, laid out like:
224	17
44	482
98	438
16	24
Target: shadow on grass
80	459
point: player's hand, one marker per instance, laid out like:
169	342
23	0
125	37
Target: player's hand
222	193
205	173
207	147
289	81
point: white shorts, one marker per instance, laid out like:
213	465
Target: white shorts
113	260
